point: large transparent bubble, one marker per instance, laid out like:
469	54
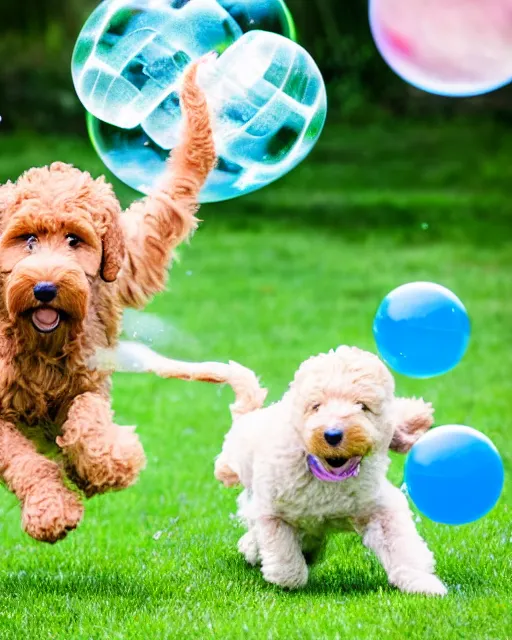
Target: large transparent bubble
446	47
266	92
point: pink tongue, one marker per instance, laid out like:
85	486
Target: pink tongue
46	316
338	470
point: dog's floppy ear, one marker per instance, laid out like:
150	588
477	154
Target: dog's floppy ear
113	249
411	417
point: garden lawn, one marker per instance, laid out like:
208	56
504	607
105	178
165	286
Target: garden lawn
268	280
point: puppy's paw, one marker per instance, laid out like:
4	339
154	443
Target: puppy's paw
418	582
289	575
49	516
249	549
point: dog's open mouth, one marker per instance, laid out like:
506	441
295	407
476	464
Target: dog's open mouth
334	469
46	319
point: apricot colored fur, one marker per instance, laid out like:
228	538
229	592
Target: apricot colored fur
47	390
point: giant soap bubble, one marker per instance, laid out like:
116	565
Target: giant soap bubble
267	93
446	47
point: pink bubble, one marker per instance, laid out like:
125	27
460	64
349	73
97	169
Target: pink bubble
447	47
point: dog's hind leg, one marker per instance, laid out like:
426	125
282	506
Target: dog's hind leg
248	544
225	474
48	508
248	547
100	455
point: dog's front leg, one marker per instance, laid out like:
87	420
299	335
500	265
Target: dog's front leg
48	509
391	534
100	455
154	226
282	562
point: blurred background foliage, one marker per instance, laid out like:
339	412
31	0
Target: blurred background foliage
37	38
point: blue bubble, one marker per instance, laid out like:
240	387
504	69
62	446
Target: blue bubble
454	475
421	329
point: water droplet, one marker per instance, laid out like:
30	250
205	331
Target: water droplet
157	535
424	226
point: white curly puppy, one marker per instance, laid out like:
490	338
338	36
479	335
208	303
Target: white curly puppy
316	462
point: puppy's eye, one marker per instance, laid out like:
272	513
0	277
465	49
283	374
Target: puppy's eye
365	407
73	240
315	407
30	241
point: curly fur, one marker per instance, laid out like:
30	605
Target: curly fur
47	389
288	511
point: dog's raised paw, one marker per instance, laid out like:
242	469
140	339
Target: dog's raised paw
49	516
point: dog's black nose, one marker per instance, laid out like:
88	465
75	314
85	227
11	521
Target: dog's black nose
45	291
333	436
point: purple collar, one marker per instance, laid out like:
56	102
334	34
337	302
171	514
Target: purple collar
349	470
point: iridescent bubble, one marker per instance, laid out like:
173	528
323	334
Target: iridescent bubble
267	94
130	54
421	329
446	47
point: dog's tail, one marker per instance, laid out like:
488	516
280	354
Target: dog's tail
137	357
249	395
191	162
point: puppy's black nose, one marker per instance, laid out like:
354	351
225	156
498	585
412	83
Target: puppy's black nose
333	436
45	291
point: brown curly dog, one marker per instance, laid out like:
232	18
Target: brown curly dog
69	262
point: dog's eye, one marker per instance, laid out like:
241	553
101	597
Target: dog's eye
30	241
315	407
73	240
365	407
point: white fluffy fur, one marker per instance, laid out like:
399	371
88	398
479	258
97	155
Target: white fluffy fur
288	511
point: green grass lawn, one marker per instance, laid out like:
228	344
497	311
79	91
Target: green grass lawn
268	280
